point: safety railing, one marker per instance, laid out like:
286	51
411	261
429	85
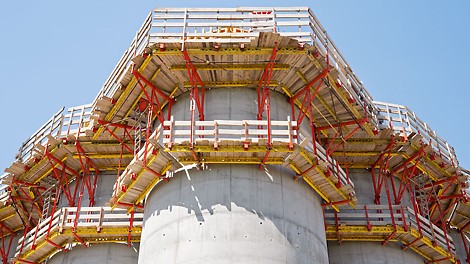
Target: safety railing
404	121
3	188
228	25
346	76
95	218
322	156
388	215
76	119
237	25
249	131
52	127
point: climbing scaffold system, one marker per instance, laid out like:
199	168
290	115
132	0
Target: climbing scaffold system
334	126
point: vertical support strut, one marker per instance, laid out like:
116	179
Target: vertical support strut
264	99
196	97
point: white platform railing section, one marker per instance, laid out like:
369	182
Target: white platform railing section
305	138
216	131
404	121
59	126
381	215
88	217
52	128
236	25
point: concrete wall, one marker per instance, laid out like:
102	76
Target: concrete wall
233	214
459	246
103	192
364	187
359	252
97	253
370	253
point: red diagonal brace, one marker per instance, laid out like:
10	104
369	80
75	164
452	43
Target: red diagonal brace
139	76
263	83
196	83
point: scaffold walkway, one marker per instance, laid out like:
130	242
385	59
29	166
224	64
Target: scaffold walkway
258	142
70	227
389	223
126	131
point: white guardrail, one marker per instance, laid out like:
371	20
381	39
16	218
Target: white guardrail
87	217
235	25
385	215
75	120
404	121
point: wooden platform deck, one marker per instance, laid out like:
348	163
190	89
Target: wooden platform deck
389	224
68	227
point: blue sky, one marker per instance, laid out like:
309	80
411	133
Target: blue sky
58	53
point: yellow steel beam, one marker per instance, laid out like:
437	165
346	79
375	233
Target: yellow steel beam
49	171
229	51
123	96
149	186
230	160
150	160
240	84
230	66
322	101
210	149
104	156
305	155
420	167
361	154
342	95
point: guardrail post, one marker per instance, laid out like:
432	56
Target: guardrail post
216	135
369	226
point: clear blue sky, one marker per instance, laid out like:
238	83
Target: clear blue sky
58	53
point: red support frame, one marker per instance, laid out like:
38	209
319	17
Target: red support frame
5	248
89	181
264	98
378	181
61	177
197	98
126	133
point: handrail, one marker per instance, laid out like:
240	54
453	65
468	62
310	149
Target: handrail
52	127
177	132
385	215
404	121
67	218
323	156
60	125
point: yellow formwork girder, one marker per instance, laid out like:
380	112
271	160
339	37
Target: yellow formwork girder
231	160
210	149
379	233
150	160
104	156
229	51
240	84
123	96
150	185
230	67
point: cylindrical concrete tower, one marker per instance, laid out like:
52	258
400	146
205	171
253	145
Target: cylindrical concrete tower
229	213
234	135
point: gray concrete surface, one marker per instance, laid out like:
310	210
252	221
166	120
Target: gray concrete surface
459	246
233	214
364	187
370	253
103	192
97	253
359	252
